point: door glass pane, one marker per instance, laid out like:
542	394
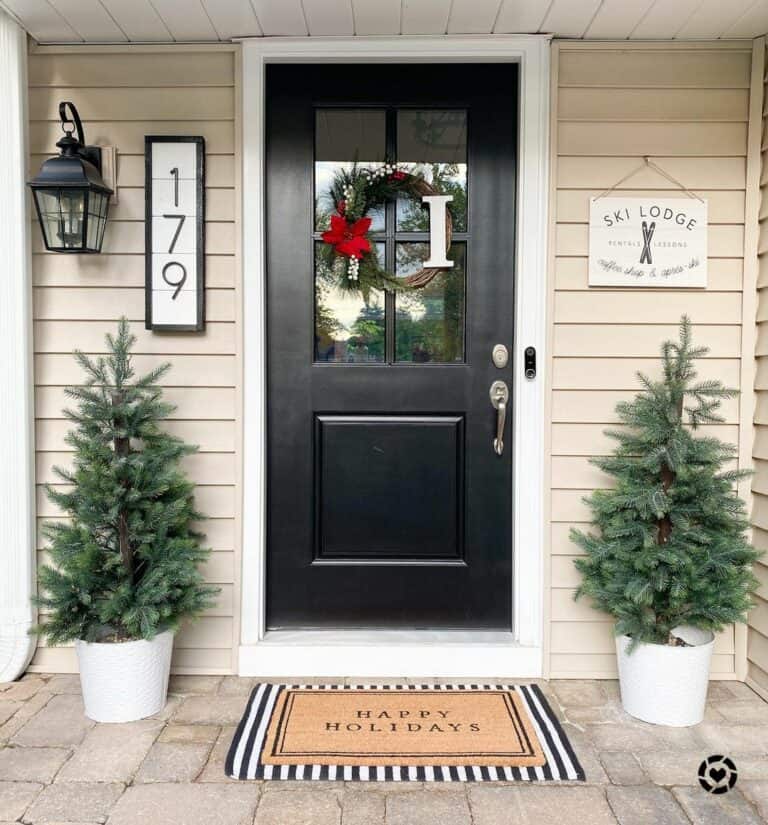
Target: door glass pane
429	322
343	138
434	143
348	327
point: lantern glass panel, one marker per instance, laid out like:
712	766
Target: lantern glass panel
97	219
61	214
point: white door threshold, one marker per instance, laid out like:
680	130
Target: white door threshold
391	654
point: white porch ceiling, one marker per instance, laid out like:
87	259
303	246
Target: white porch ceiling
166	21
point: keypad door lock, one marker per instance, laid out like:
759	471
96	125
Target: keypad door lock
529	363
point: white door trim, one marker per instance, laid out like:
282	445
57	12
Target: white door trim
512	654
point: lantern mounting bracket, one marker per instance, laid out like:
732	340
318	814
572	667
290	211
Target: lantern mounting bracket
90	153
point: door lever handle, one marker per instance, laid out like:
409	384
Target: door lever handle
499	394
501	417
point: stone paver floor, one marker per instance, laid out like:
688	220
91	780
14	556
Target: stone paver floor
58	767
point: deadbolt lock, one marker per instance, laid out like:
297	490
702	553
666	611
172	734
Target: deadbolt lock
500	356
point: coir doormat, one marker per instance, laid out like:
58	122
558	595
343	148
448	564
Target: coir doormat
432	733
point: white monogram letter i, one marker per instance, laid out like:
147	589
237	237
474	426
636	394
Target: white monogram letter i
437	205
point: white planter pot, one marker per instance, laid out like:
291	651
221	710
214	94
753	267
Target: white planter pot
666	685
125	681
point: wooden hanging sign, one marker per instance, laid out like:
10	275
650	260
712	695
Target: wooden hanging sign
655	242
174	233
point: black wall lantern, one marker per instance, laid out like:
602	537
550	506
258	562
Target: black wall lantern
70	196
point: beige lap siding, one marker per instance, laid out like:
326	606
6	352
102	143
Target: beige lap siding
687	106
123	94
757	643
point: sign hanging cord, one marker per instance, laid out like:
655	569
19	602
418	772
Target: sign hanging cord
655	166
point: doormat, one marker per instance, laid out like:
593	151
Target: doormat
400	733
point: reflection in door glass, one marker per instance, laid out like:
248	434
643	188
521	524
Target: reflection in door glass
429	322
434	143
343	138
348	328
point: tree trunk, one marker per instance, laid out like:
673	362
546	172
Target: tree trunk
667	478
665	523
123	448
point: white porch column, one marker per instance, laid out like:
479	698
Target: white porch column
17	493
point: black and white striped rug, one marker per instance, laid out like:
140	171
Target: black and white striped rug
244	757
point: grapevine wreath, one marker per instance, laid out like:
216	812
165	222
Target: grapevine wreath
348	251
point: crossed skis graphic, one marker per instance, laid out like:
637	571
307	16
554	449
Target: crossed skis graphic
648	231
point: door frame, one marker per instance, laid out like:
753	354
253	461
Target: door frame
385	652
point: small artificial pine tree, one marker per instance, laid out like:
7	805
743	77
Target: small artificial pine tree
125	564
670	547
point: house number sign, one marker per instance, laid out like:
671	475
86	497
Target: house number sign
174	233
655	242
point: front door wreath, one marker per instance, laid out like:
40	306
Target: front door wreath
348	251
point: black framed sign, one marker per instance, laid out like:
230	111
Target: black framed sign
174	231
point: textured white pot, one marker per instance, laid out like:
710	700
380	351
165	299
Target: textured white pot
125	681
666	685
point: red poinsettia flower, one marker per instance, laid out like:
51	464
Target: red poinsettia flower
398	175
348	239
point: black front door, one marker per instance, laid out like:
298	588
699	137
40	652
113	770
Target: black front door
388	504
